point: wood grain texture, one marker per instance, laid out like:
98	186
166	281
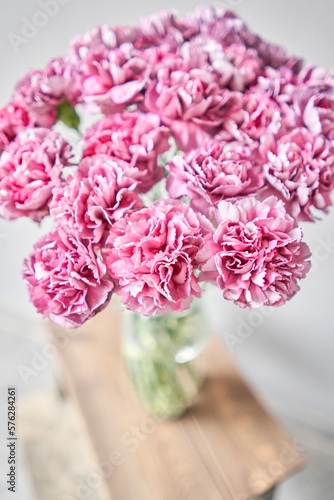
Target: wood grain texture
59	455
226	447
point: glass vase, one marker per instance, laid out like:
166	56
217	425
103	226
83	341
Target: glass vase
164	358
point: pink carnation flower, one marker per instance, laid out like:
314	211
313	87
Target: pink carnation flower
100	40
190	101
227	28
112	74
304	100
236	65
136	138
313	101
40	92
13	119
155	254
212	173
257	115
316	110
29	168
60	82
276	90
162	29
300	168
219	23
67	278
98	194
271	55
258	256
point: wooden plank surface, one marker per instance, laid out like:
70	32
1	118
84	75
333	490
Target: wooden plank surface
59	455
225	447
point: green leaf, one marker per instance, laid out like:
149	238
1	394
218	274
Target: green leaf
67	114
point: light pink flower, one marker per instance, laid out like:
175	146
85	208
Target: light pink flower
136	138
162	29
188	100
300	168
277	87
305	99
67	279
27	93
316	77
219	23
313	101
101	40
227	28
155	253
40	92
258	256
29	168
257	115
272	55
13	119
60	82
315	111
236	65
98	194
112	74
279	83
212	173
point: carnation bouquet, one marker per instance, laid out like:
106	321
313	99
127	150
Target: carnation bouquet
207	145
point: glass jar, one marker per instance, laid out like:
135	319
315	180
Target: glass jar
164	357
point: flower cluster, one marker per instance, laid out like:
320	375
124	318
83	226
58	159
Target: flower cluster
240	131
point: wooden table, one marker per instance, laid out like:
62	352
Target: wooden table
226	447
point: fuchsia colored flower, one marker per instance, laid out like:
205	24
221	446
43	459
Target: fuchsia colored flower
30	167
99	193
155	253
40	92
258	256
67	279
13	119
212	173
300	168
136	138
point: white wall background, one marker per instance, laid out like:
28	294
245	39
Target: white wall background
289	354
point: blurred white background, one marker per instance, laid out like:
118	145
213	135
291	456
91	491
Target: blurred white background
287	353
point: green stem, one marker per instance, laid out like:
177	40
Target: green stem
160	355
